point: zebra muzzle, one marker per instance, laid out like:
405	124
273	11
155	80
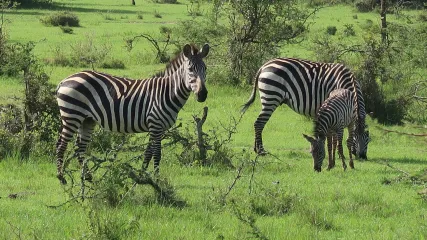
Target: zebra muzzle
202	94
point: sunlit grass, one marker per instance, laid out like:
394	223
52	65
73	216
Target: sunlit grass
373	201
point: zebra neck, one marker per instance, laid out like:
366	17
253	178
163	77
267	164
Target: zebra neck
178	85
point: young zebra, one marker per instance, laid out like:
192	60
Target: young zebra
304	85
128	106
336	113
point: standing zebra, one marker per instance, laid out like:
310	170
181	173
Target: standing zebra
304	85
128	106
336	113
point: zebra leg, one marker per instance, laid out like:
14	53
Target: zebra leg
259	125
334	147
157	151
331	163
65	136
350	144
83	138
148	154
340	150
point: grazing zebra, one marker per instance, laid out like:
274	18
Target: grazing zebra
304	85
336	113
128	106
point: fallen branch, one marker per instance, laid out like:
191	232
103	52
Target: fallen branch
394	168
403	133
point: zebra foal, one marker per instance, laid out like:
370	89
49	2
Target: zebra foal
124	105
303	85
335	114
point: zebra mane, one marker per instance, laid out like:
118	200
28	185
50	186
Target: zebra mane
176	61
360	122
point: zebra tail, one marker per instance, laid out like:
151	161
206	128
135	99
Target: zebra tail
253	94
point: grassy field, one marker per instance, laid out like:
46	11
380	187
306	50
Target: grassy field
280	197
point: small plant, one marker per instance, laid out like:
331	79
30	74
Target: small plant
66	29
166	1
194	9
139	15
61	19
349	30
107	16
60	58
157	14
87	53
422	17
113	64
331	30
365	5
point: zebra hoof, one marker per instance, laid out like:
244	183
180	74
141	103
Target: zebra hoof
62	179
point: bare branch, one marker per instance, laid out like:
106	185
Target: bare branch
403	133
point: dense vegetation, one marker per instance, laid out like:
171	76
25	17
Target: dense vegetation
227	191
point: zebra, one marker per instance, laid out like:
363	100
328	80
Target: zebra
336	113
303	85
124	105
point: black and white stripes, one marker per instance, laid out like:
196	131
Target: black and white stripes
304	85
128	106
336	113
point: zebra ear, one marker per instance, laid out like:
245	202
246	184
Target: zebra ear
310	139
205	51
187	51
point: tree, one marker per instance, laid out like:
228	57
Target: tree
253	32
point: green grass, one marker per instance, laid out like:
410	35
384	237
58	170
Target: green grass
373	201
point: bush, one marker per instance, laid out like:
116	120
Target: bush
157	14
422	17
103	140
331	30
349	30
139	15
34	3
61	19
113	64
66	29
365	5
166	1
86	53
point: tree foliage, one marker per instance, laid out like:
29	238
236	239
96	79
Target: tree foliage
253	32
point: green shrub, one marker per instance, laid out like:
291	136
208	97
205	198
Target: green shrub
34	3
61	19
157	14
331	30
86	53
422	17
349	30
166	1
139	15
113	64
103	140
365	5
66	29
60	58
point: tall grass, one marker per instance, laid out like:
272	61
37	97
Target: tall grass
280	192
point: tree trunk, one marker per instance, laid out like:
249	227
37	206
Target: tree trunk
200	140
383	21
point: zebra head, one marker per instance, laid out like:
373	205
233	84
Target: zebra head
317	150
196	70
361	140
